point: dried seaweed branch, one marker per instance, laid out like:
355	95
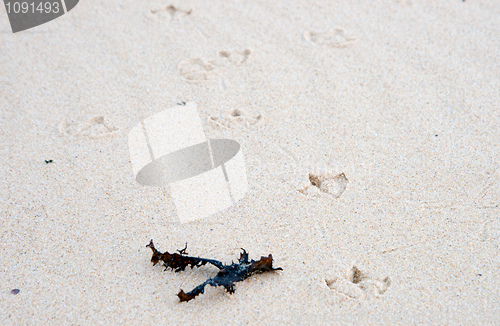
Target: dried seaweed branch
179	261
227	276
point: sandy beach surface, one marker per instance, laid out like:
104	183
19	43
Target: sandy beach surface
371	135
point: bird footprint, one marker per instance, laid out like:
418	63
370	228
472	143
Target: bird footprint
235	118
336	38
95	127
358	285
325	183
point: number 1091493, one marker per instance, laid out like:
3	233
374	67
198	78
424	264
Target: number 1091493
32	7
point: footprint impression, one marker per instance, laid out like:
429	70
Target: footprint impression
404	2
489	197
95	127
356	284
234	57
233	119
196	70
336	38
326	183
169	12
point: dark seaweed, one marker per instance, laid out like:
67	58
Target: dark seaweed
227	276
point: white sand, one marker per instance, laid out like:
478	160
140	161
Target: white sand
400	96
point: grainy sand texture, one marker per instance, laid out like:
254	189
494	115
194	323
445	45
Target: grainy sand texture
371	137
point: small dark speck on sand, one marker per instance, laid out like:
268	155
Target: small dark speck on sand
49	161
15	291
